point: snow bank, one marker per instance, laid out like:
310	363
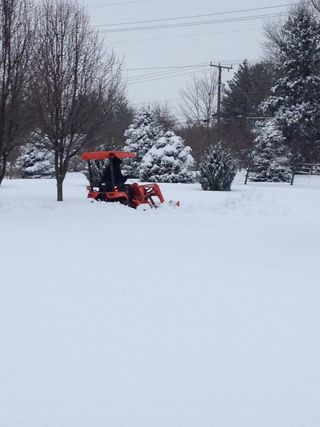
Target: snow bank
201	316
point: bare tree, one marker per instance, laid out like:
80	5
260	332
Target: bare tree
273	38
16	41
74	85
163	115
199	99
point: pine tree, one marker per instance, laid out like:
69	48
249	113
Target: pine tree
217	169
35	161
140	137
270	159
250	85
169	160
295	101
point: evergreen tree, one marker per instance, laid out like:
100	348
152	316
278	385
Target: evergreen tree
295	100
35	161
140	137
250	85
217	169
169	160
270	159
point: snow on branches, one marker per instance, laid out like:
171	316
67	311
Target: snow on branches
270	158
217	169
140	137
169	160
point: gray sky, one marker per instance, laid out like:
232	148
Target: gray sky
225	42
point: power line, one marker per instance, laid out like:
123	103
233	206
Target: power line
166	68
202	64
157	74
162	75
176	68
195	23
194	16
146	80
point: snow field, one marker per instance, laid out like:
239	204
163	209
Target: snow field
201	316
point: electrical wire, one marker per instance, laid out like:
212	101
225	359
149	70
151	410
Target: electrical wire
152	75
193	24
147	80
194	16
166	68
177	67
163	74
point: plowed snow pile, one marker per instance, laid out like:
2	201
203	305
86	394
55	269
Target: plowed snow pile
202	316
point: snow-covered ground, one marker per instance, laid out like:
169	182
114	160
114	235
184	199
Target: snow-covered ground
202	316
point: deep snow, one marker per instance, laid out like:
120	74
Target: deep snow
202	316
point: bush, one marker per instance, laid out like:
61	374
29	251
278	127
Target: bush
169	160
217	169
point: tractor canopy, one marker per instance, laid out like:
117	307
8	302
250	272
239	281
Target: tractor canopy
102	155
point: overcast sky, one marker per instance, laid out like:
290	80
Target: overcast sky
196	44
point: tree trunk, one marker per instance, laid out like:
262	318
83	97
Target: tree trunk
3	165
60	189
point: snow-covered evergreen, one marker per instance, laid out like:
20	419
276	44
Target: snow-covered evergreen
35	161
270	159
295	102
140	137
217	169
169	160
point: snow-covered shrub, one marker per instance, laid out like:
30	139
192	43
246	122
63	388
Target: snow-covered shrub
140	137
217	170
270	159
35	161
169	160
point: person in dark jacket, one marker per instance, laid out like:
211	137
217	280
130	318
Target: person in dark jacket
116	178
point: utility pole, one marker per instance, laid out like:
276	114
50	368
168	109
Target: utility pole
220	68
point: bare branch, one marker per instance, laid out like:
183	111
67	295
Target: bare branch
199	99
73	82
16	48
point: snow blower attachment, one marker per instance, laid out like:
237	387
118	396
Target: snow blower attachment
107	183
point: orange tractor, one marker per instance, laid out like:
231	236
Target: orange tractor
108	185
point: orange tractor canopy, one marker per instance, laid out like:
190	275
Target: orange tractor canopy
108	184
102	155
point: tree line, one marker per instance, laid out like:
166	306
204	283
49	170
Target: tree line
62	89
270	109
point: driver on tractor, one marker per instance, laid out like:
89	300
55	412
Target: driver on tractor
112	177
